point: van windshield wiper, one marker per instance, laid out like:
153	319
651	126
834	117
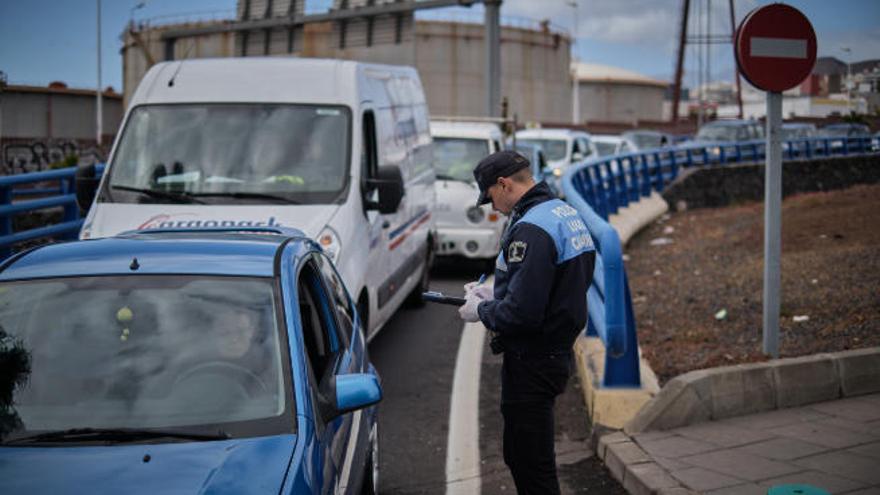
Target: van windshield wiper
180	197
115	434
248	195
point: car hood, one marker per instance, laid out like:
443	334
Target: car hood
255	465
109	219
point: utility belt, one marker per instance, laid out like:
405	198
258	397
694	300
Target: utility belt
498	346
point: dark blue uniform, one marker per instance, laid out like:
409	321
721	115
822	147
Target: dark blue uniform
541	279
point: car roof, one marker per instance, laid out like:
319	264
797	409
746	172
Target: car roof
731	122
155	253
559	133
480	130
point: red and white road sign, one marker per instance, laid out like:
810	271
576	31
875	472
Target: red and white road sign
775	47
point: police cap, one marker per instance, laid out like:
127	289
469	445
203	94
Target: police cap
499	164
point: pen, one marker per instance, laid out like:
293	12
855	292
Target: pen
482	279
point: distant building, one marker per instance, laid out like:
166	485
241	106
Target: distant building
612	94
42	126
449	56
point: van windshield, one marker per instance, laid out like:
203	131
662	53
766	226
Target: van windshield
456	158
232	153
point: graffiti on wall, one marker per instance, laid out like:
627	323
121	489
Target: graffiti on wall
37	155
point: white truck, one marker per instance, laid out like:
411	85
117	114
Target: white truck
338	149
463	228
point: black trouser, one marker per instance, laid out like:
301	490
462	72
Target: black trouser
529	386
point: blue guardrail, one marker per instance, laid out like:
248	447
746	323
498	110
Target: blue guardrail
61	195
599	187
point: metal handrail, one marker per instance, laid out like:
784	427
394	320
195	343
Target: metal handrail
62	195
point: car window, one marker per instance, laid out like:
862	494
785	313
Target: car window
316	318
149	351
341	301
554	149
585	146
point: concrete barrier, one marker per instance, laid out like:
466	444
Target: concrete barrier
728	391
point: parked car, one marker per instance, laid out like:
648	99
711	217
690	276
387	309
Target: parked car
562	148
794	137
464	229
729	131
185	362
608	145
338	149
852	135
645	139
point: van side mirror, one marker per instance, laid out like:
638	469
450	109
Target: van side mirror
389	182
86	185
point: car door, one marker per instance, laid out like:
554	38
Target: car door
326	349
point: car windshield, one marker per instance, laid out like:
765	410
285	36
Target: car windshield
605	148
232	153
720	133
648	141
140	352
554	149
455	158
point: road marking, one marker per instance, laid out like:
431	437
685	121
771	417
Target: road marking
778	47
463	443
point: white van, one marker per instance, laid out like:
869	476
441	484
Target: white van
338	149
464	229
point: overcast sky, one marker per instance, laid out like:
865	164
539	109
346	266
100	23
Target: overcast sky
48	40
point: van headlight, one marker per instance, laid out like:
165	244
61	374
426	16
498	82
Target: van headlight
329	242
475	214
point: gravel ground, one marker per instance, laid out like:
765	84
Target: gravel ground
696	279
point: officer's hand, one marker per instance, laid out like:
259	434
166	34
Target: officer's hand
484	291
468	311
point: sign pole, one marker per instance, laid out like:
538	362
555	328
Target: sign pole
772	223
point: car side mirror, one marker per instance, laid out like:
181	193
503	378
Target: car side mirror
389	182
349	392
577	156
86	183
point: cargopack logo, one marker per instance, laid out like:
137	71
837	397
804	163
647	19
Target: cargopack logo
166	221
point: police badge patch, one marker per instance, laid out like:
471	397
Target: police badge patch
516	251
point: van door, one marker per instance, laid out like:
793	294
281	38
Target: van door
377	265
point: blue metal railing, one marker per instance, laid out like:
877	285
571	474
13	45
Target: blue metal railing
613	182
63	195
600	187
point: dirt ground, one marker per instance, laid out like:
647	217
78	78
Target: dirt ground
696	279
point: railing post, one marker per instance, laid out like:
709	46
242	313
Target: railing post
71	211
5	221
673	166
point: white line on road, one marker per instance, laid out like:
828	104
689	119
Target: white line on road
463	444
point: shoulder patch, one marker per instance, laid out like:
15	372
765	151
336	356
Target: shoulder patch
516	252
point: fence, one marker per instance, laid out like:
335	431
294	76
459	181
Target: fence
61	195
599	187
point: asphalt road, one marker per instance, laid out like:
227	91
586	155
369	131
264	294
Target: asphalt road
415	356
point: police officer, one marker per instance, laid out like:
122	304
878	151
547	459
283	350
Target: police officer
535	312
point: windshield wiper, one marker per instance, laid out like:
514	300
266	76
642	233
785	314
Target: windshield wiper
180	197
115	434
247	195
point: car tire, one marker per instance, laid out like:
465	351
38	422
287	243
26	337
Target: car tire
414	300
370	485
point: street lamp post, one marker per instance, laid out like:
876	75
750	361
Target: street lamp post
848	52
99	121
575	90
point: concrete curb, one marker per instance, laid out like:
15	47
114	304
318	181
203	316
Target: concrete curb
718	393
628	221
728	391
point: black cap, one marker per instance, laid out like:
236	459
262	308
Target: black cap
499	164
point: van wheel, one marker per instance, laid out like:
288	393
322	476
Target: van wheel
370	485
414	299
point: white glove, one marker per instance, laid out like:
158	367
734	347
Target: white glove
485	292
468	311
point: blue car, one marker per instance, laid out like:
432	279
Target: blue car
184	362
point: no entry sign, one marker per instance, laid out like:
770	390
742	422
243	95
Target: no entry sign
775	47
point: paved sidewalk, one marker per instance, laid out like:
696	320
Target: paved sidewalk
833	445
